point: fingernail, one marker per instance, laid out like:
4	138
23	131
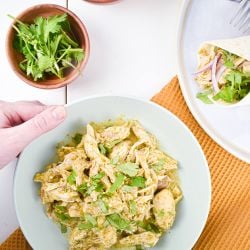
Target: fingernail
59	113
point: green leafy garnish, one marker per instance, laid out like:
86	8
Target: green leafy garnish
132	207
118	222
236	87
138	181
61	209
46	46
98	176
103	206
63	228
82	188
228	59
148	226
62	216
77	138
129	168
117	184
203	96
84	226
102	149
72	178
90	219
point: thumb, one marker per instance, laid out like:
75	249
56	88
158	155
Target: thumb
38	125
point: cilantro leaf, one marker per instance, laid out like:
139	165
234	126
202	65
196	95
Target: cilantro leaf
84	226
203	96
77	138
102	149
117	184
72	178
117	221
138	181
63	228
46	46
129	168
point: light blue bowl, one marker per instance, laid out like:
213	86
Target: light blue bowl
174	137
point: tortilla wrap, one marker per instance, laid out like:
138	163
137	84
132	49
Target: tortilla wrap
239	46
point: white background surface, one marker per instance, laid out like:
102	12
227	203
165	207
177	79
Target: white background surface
132	52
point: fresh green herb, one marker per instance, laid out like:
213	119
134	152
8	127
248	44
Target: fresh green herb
138	181
103	206
90	219
117	184
84	226
82	188
204	96
236	87
77	138
115	160
148	226
62	216
61	209
99	187
118	222
139	247
98	176
72	178
102	149
46	46
129	168
132	207
63	228
228	59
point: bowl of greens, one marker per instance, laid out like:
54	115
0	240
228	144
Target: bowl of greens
47	46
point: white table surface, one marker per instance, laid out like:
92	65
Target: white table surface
132	53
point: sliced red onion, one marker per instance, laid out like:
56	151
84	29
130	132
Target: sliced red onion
206	67
220	72
214	80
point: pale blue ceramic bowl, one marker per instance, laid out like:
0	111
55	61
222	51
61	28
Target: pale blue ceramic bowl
174	137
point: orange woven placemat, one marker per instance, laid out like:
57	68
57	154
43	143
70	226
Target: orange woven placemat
228	225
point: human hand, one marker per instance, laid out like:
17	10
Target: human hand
21	122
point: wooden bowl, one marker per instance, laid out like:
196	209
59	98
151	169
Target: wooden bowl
101	1
78	31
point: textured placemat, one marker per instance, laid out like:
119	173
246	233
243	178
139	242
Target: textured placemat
228	225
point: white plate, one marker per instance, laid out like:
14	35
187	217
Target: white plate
203	20
174	137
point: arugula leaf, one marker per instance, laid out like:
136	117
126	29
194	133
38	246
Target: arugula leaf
129	168
117	184
72	178
138	181
203	96
63	228
117	221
